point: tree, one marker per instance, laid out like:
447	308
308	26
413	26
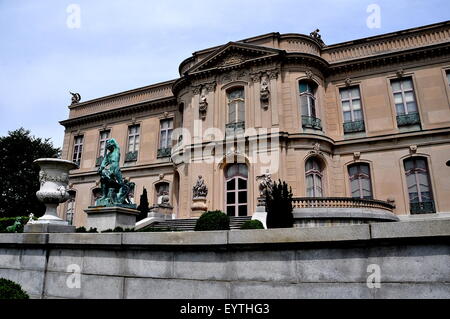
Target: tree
19	176
143	207
279	206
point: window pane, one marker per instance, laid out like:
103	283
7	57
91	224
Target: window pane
356	104
409	97
347	116
231	184
398	98
355	92
242	197
232	113
304	105
303	87
243	170
242	183
243	210
412	108
346	106
312	105
400	108
357	115
344	94
231	198
395	85
241	108
407	84
230	211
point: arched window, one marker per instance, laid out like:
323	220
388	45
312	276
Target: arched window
360	184
419	186
236	176
161	189
236	110
313	178
307	91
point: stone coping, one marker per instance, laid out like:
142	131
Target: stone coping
335	234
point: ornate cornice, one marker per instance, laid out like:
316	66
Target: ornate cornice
126	110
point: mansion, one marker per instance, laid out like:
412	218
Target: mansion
364	121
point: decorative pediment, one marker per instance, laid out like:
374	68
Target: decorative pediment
233	54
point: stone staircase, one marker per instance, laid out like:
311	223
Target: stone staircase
189	224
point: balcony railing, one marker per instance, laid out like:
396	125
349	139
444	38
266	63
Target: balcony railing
311	122
164	152
234	128
131	156
339	202
355	126
408	119
422	207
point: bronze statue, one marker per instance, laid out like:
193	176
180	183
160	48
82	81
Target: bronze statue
114	188
76	97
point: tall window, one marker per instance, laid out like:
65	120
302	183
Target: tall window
133	143
77	149
313	178
165	137
236	189
448	77
133	138
405	102
104	136
307	91
419	186
236	110
360	185
352	109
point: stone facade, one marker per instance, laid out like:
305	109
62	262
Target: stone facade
270	70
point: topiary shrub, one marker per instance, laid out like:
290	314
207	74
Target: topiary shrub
11	290
213	220
279	206
252	224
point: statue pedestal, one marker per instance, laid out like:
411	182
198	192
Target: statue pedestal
104	218
198	206
261	213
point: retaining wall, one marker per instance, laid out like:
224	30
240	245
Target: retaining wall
323	262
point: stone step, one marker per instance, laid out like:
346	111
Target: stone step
188	224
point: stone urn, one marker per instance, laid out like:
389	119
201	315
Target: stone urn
54	179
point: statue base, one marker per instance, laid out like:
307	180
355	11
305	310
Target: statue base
198	206
103	218
260	215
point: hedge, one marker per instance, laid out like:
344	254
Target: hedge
11	290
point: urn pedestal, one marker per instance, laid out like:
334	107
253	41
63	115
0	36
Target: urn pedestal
54	178
198	206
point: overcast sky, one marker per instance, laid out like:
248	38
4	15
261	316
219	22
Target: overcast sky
121	45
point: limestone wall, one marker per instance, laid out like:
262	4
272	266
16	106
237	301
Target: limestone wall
413	258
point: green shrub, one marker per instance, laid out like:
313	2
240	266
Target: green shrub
213	220
5	222
252	224
118	229
279	206
11	290
80	230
